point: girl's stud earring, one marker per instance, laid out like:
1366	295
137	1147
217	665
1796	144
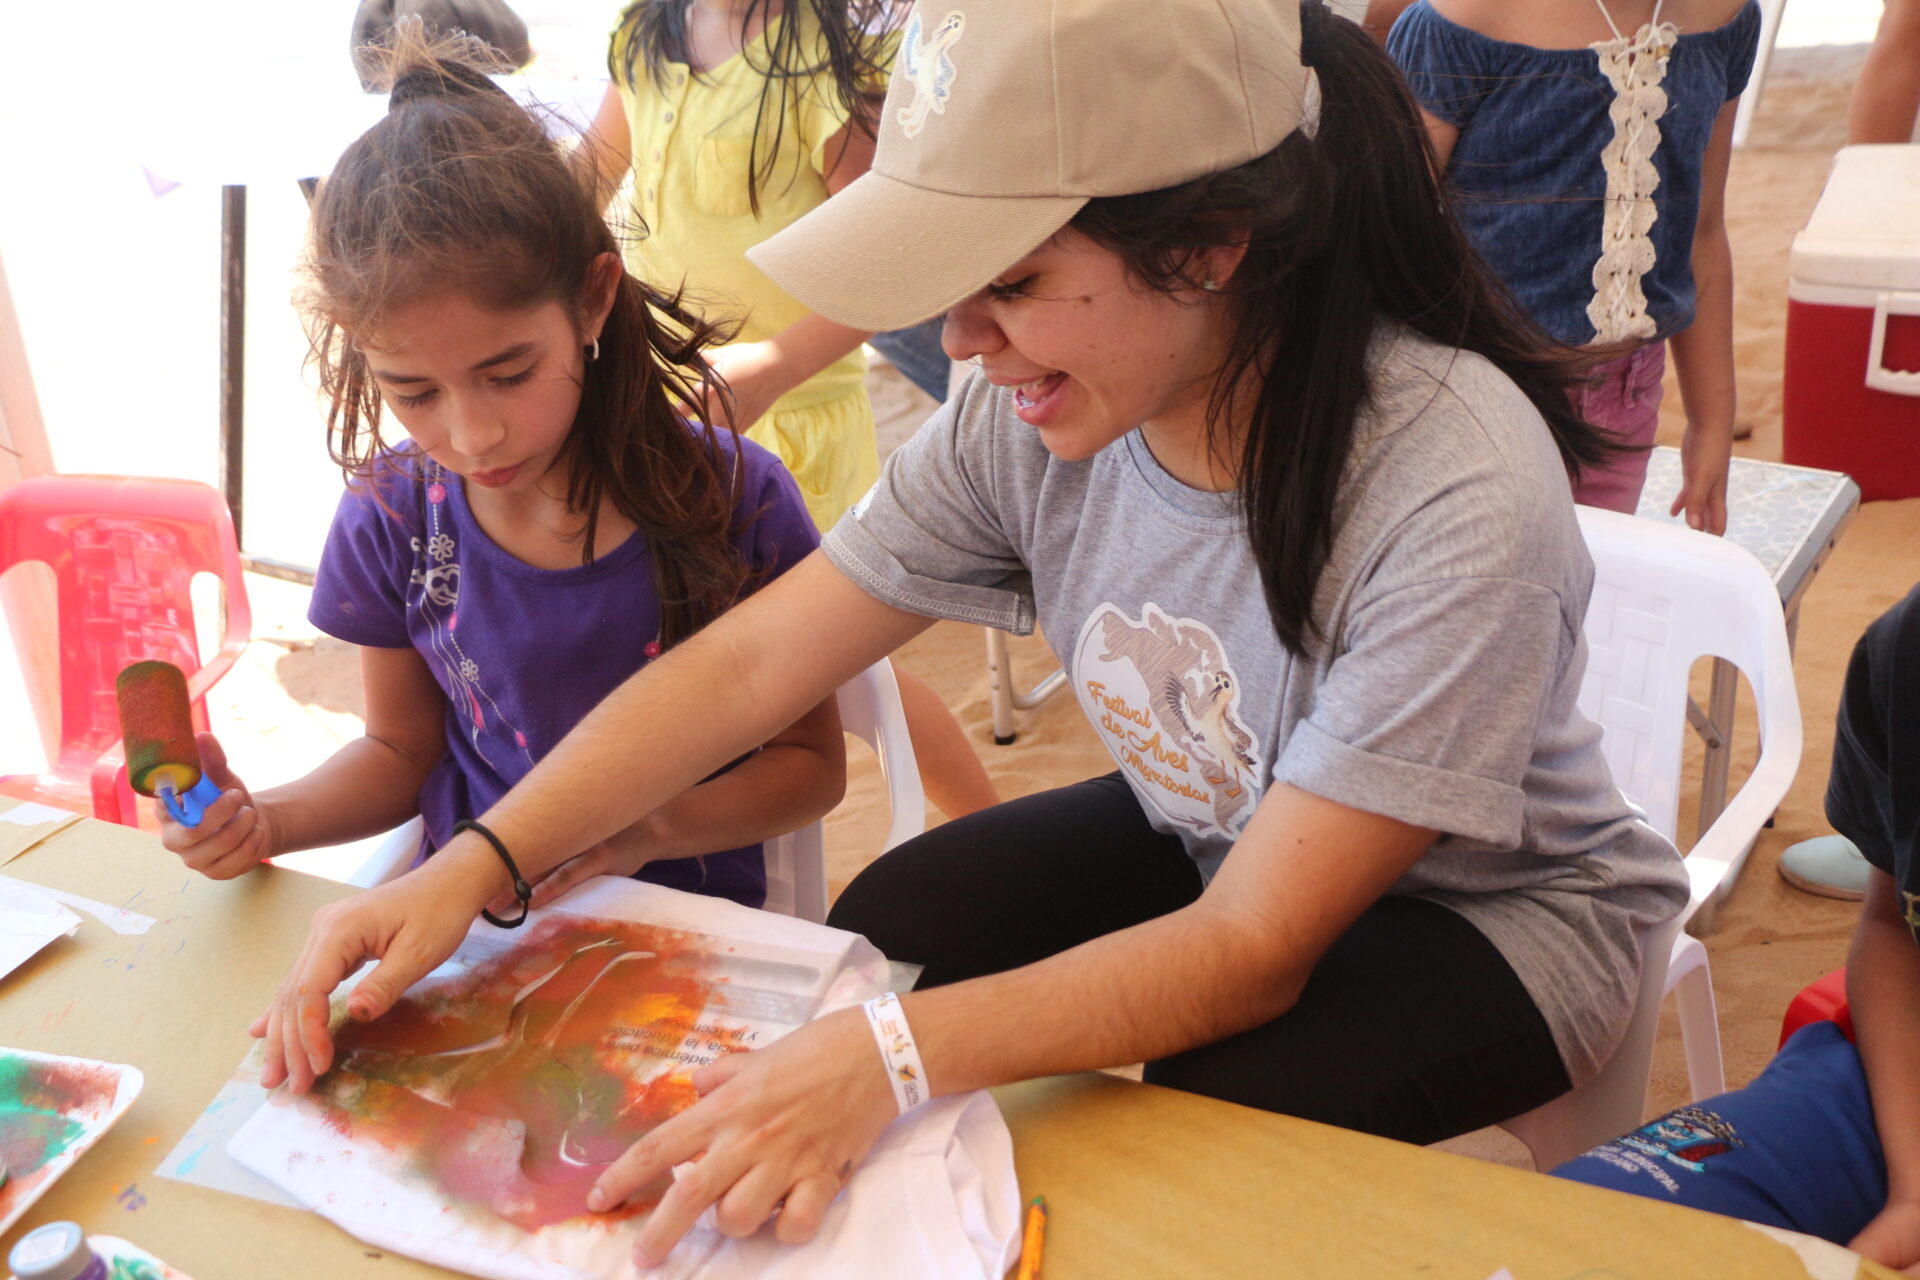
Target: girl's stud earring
593	351
1211	286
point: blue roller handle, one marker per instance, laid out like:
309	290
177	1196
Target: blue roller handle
190	806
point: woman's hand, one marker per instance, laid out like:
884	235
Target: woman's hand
234	834
781	1128
1704	458
1892	1238
409	925
755	375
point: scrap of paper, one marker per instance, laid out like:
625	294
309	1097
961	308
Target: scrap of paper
466	1127
200	1157
29	920
118	919
25	825
1823	1259
53	1108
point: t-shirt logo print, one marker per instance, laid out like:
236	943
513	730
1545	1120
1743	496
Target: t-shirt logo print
1165	699
928	69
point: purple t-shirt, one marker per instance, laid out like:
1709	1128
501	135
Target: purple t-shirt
523	653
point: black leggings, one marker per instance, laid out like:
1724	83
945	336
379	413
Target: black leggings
1411	1026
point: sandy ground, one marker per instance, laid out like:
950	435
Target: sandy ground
295	695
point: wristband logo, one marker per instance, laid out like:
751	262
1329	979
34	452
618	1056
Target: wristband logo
897	1051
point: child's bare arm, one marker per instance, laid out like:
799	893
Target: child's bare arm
798	776
372	784
369	785
758	373
603	156
1883	988
1703	352
1381	15
1443	136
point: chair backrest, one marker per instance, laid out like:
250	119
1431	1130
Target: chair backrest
870	709
124	552
1664	597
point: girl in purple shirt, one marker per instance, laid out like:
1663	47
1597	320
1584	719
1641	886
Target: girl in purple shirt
555	524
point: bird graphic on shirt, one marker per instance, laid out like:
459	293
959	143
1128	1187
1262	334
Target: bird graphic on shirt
1204	710
928	69
1190	692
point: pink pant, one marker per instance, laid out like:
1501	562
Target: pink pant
1624	402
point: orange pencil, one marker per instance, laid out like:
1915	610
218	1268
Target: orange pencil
1033	1241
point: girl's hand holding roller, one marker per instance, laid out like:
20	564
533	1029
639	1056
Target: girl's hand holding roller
236	834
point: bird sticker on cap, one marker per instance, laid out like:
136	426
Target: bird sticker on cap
928	68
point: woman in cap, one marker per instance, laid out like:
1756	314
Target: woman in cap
1284	477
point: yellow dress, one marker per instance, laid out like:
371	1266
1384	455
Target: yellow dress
692	138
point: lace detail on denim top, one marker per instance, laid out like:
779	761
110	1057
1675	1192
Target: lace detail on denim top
1599	146
1635	66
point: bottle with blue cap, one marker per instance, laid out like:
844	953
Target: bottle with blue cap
56	1251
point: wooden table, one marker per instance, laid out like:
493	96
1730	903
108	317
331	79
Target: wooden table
1142	1181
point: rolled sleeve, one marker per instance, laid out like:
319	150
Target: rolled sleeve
928	538
1430	715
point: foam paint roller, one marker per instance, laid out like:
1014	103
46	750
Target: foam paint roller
156	726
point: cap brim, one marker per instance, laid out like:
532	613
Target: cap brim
883	254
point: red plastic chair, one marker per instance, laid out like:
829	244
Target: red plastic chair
124	552
1822	1001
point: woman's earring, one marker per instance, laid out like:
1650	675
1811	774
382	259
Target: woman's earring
593	351
1211	286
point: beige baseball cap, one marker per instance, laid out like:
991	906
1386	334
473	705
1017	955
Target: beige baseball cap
1004	117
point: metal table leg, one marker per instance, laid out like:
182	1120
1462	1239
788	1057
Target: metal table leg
1006	698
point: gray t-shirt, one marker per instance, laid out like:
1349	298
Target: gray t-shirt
1442	692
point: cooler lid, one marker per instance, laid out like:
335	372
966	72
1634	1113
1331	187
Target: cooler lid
1865	232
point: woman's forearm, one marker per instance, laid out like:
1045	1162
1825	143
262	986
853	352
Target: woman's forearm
1301	873
1883	991
730	688
1187	978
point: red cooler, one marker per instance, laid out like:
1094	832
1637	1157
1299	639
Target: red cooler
1852	396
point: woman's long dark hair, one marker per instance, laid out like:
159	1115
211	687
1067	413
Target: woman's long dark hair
1342	229
459	189
849	47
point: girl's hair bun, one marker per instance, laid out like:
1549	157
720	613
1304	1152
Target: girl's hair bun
413	61
492	21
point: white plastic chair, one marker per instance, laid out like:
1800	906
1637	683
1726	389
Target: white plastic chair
796	863
869	710
1770	12
1664	597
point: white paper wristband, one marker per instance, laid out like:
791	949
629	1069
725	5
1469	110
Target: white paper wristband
897	1050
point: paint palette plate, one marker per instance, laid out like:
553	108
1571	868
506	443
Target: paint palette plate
52	1108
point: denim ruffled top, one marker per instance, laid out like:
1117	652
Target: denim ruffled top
1539	131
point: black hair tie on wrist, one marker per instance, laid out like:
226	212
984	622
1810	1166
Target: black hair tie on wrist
521	889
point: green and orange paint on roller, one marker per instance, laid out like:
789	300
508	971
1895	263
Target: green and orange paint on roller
156	727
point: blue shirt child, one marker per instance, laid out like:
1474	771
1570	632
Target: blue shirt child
1527	165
